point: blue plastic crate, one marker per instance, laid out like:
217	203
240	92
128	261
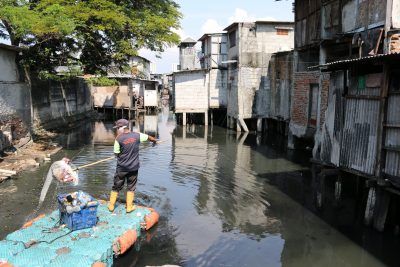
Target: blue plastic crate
85	218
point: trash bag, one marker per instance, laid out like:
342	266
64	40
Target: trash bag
64	172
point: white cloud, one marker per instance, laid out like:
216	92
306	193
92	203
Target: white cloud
211	26
242	15
180	32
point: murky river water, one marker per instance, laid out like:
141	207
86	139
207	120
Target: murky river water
224	200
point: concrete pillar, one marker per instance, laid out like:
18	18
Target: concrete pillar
184	118
238	128
206	117
259	124
212	117
243	124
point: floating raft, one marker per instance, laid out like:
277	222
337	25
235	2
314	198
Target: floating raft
43	243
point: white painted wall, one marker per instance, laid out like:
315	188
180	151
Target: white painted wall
191	90
396	14
150	123
150	98
217	88
254	46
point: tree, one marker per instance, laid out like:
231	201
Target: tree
90	33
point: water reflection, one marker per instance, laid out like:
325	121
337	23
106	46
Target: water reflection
225	199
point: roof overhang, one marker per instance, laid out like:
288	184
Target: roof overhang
344	64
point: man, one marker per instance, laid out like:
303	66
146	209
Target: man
126	148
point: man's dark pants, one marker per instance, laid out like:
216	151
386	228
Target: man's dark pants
119	180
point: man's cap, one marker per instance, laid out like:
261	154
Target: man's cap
121	123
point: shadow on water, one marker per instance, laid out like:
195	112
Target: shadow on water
225	199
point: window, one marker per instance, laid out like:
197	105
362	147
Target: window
282	31
232	39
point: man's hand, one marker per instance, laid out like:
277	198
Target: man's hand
152	139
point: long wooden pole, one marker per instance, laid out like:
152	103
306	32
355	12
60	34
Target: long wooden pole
94	163
102	160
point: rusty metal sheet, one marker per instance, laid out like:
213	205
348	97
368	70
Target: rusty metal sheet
358	147
331	132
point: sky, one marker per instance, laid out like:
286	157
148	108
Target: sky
207	16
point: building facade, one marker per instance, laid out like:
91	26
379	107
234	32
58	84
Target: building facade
345	89
250	46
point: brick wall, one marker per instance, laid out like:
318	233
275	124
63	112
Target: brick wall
301	98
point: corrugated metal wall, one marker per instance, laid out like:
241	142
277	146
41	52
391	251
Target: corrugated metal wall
392	130
358	148
349	135
331	132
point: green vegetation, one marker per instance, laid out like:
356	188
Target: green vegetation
103	81
88	33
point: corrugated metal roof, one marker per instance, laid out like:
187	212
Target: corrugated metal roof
356	60
188	41
206	35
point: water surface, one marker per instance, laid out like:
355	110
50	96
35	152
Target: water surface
225	199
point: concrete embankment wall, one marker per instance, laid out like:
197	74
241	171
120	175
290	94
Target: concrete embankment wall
58	103
15	102
15	112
